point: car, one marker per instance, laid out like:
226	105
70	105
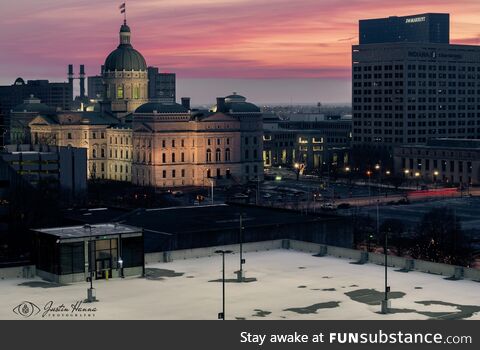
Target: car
328	206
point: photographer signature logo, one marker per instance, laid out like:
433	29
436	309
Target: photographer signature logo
28	309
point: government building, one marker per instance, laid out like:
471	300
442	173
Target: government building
152	140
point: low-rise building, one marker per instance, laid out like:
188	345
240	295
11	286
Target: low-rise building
75	253
317	144
454	161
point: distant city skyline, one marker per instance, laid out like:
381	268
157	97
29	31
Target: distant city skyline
284	51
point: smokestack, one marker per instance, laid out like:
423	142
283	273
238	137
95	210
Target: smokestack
70	73
82	81
220	104
186	102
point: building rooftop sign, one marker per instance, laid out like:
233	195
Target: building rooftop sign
415	19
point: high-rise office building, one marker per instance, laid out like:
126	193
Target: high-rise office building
57	95
95	87
410	92
161	86
427	27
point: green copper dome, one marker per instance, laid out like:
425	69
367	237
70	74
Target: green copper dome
125	57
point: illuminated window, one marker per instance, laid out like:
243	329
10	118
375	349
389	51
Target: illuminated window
120	91
136	91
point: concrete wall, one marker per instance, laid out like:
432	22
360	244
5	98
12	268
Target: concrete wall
311	248
209	251
27	271
322	249
393	261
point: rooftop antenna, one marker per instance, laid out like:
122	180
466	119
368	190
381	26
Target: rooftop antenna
123	9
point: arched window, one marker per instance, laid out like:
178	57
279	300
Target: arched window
227	155
94	153
136	91
218	155
120	91
209	155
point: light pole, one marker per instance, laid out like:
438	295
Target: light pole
240	276
417	176
369	173
386	301
435	174
91	297
221	315
211	184
297	169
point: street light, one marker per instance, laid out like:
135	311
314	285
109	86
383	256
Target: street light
417	175
240	276
91	297
386	302
435	174
369	185
221	315
297	168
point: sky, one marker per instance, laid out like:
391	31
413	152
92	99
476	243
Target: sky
269	50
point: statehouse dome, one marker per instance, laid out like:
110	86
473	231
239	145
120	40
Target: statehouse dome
125	57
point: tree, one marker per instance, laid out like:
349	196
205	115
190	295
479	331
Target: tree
439	238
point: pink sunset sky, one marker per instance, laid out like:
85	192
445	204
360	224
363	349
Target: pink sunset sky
206	39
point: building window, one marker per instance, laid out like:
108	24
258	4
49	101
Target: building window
173	157
182	157
164	158
183	172
120	91
173	143
163	143
227	155
183	143
164	174
246	154
218	156
228	141
209	155
255	154
136	91
173	173
94	153
69	136
208	142
218	141
102	153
